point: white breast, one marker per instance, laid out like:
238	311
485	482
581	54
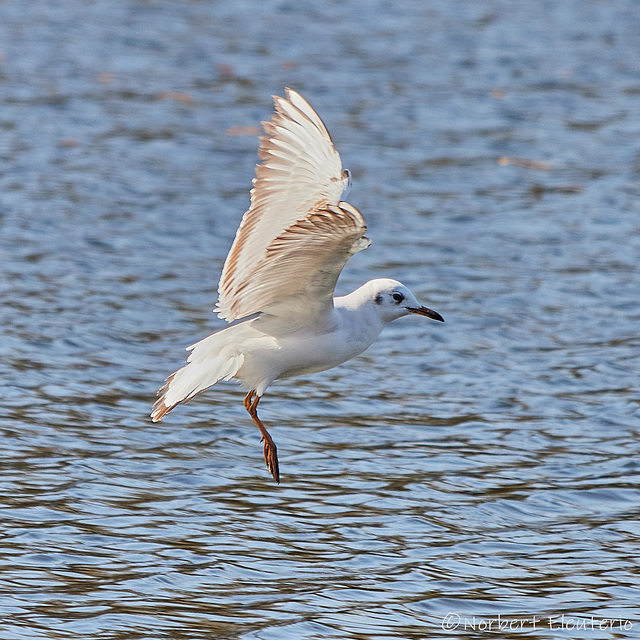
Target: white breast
306	350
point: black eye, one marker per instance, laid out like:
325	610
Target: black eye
398	297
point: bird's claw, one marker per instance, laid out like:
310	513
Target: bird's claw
271	459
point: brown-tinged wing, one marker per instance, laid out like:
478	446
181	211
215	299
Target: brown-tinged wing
300	173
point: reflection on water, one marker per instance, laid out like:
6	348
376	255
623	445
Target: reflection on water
487	467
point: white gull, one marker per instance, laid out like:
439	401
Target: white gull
278	280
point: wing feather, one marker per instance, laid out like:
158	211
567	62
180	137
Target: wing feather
301	172
298	275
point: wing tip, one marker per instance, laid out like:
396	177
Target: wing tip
292	94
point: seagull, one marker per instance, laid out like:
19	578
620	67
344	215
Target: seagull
277	284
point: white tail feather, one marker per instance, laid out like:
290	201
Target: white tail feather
210	361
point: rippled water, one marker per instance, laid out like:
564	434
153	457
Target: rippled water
477	473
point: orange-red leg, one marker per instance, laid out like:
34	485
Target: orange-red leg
270	450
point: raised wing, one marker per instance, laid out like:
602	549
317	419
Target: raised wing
300	177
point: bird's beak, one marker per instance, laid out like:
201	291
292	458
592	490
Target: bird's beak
423	311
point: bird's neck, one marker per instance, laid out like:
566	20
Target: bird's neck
358	313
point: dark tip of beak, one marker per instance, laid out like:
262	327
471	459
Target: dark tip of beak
423	311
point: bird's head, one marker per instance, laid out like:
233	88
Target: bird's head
392	300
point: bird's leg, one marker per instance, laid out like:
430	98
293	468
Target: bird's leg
270	450
247	400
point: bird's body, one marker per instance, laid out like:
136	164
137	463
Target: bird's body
260	350
277	283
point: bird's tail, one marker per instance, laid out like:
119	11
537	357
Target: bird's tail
210	360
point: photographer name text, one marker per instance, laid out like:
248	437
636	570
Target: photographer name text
559	622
